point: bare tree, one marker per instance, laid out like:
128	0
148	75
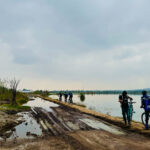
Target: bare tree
13	86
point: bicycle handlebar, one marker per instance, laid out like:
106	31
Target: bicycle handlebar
132	102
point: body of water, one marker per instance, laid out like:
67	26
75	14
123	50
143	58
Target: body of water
108	104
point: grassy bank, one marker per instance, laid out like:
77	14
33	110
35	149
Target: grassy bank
17	108
136	126
6	97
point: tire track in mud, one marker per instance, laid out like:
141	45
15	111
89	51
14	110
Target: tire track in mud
59	121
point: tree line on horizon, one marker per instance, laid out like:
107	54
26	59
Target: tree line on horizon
92	92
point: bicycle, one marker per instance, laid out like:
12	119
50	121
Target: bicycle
130	109
143	118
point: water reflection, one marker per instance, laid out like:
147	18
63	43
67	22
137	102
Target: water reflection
28	128
38	102
100	125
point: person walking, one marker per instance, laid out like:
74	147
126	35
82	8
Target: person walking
60	96
123	99
65	96
145	103
70	97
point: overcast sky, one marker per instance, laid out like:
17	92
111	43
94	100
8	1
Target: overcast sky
75	44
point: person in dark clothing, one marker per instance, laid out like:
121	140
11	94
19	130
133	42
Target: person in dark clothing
60	96
123	99
65	96
145	103
70	97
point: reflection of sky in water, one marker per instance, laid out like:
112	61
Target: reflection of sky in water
30	125
99	125
109	104
38	102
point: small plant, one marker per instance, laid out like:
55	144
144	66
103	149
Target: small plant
82	97
22	101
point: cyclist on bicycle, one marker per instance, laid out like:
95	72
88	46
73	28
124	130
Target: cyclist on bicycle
145	103
123	99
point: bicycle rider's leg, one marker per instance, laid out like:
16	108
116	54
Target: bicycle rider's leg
147	118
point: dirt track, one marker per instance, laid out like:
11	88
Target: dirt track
68	129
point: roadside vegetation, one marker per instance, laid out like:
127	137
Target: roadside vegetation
44	93
10	98
82	97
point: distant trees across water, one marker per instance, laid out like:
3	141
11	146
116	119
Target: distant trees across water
92	92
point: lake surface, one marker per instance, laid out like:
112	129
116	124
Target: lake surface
108	104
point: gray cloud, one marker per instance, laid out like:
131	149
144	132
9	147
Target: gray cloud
24	56
97	44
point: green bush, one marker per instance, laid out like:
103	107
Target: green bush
82	97
22	101
21	98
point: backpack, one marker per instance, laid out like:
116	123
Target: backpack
146	102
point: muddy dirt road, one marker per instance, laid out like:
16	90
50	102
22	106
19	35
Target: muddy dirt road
64	128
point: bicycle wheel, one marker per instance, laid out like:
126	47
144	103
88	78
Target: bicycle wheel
130	113
143	118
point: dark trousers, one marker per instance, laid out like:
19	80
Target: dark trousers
147	116
70	99
125	115
60	98
66	99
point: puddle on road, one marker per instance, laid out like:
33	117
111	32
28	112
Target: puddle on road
29	128
38	102
99	125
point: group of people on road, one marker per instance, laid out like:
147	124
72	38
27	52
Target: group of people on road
68	96
124	100
145	103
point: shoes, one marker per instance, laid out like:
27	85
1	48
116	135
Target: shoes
146	127
129	124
